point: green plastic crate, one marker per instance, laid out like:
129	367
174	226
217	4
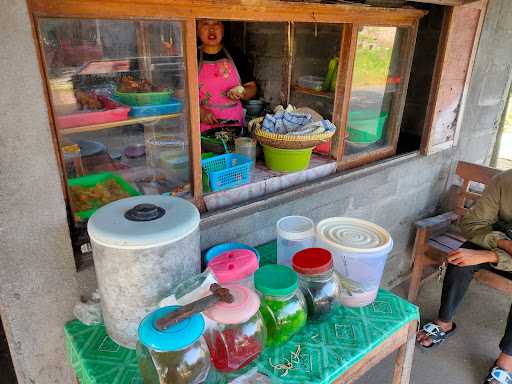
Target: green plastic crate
90	181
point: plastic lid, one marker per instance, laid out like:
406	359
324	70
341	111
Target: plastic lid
246	303
175	337
276	280
109	225
354	235
312	261
295	227
219	249
234	265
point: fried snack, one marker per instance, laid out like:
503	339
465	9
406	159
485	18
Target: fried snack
129	85
86	198
88	101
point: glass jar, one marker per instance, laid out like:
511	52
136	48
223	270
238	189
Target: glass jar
236	266
176	355
282	307
235	332
318	281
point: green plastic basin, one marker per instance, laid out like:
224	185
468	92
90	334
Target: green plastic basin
147	98
287	160
365	127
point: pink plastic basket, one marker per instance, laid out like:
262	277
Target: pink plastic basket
114	111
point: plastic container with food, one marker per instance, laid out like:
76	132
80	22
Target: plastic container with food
294	233
283	306
318	281
360	251
235	332
176	355
316	83
144	98
232	267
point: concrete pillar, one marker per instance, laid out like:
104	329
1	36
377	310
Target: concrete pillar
38	286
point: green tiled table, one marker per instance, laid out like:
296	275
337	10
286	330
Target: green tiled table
337	350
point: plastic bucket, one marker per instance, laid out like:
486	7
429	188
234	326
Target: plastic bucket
294	233
360	251
365	126
287	160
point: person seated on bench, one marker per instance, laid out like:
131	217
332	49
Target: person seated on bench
486	248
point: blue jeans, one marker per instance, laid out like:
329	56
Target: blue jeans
455	285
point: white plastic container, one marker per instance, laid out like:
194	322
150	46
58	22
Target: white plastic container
360	251
142	247
294	233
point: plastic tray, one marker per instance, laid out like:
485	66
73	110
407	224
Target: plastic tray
114	111
95	179
145	98
227	171
173	106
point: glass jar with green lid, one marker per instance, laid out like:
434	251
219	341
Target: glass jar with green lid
283	306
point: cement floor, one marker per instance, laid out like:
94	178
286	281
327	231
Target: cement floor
466	357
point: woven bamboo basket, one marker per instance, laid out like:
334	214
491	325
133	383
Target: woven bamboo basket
277	140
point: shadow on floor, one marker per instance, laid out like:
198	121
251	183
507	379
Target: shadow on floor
7	375
467	356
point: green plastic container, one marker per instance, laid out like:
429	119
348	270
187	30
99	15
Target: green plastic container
147	98
92	180
287	160
365	127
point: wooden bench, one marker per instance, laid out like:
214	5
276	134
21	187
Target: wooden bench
435	237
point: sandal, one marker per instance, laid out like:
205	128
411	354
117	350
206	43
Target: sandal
437	335
498	375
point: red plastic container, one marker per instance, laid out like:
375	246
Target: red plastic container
113	111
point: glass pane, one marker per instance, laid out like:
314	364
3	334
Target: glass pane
118	97
315	66
375	89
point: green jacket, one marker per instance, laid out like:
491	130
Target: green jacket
495	204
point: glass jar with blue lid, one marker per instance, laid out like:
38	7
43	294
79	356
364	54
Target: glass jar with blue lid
176	355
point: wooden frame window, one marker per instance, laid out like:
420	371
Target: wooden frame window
374	51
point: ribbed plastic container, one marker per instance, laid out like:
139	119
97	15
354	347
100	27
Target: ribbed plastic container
360	251
294	233
287	160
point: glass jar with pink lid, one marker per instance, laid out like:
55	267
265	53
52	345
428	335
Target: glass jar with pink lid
235	332
236	266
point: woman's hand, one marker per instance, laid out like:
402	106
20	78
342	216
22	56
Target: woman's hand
463	257
236	93
506	245
207	117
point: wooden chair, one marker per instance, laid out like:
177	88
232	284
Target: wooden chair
435	238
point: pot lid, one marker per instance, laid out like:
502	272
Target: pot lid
245	304
312	261
234	265
354	235
173	338
143	221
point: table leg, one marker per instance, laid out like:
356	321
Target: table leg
403	362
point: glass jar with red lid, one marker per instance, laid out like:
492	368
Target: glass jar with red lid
318	281
235	332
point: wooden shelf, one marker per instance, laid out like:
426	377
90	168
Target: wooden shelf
115	124
327	95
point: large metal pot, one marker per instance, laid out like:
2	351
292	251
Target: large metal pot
142	247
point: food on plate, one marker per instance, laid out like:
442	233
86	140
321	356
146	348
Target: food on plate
129	85
85	198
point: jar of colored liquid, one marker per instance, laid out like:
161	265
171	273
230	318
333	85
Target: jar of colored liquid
282	304
318	281
176	355
235	332
236	266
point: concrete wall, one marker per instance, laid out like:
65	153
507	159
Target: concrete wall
38	285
